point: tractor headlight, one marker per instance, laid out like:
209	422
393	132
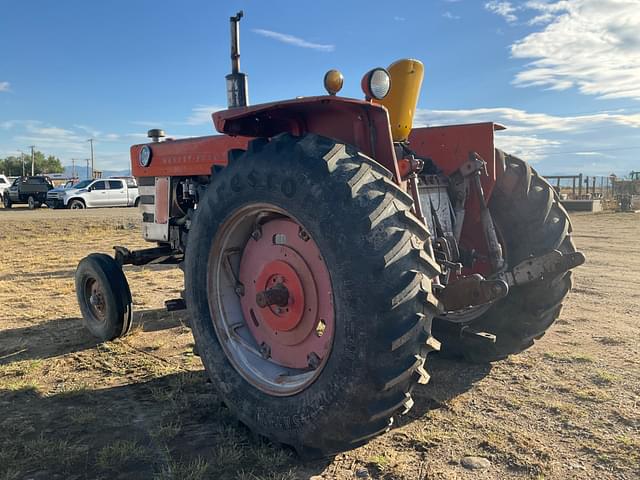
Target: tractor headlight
144	157
376	83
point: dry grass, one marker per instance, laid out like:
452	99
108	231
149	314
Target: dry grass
140	407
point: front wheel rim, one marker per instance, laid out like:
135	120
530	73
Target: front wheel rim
271	299
95	299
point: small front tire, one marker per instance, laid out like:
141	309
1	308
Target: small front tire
104	297
76	205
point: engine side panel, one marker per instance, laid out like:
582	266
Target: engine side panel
187	157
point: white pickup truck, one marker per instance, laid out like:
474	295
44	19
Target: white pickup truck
101	192
4	185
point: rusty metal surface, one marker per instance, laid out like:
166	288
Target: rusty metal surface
547	265
471	291
188	157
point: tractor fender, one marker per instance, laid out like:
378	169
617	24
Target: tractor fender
355	122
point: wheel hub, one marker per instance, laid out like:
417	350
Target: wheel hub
287	302
281	302
96	299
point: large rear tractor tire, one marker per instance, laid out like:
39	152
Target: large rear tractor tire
309	292
104	297
532	222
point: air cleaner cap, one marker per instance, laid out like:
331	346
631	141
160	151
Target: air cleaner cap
156	134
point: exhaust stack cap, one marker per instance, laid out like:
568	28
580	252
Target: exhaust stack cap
156	134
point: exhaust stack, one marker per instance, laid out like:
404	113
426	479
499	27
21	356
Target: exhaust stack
237	86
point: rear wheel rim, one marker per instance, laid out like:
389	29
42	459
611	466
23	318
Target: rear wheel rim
271	299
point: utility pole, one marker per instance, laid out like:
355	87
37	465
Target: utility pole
91	142
33	160
88	177
22	159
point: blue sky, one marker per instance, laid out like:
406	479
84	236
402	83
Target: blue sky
563	76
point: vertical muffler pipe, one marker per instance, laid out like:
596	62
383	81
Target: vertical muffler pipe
237	86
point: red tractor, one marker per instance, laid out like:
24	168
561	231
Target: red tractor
328	247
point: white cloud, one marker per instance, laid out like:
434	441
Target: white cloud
398	18
92	132
296	41
201	114
534	136
65	143
137	136
521	120
546	11
592	45
532	148
590	154
504	9
450	16
5	87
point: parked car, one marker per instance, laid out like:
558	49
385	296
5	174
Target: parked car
29	190
101	192
4	185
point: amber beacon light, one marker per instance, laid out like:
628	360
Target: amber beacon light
333	81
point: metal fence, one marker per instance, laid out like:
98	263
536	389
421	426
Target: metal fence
584	187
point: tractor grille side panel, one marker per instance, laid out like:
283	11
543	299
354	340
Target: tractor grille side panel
154	197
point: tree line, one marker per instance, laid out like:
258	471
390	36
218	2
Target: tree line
12	165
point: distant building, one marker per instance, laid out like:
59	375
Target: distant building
60	178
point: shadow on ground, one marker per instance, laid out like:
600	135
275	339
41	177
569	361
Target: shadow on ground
67	335
171	427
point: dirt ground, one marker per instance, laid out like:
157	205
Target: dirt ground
140	407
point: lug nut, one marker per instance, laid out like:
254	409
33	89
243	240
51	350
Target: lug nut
303	234
265	350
